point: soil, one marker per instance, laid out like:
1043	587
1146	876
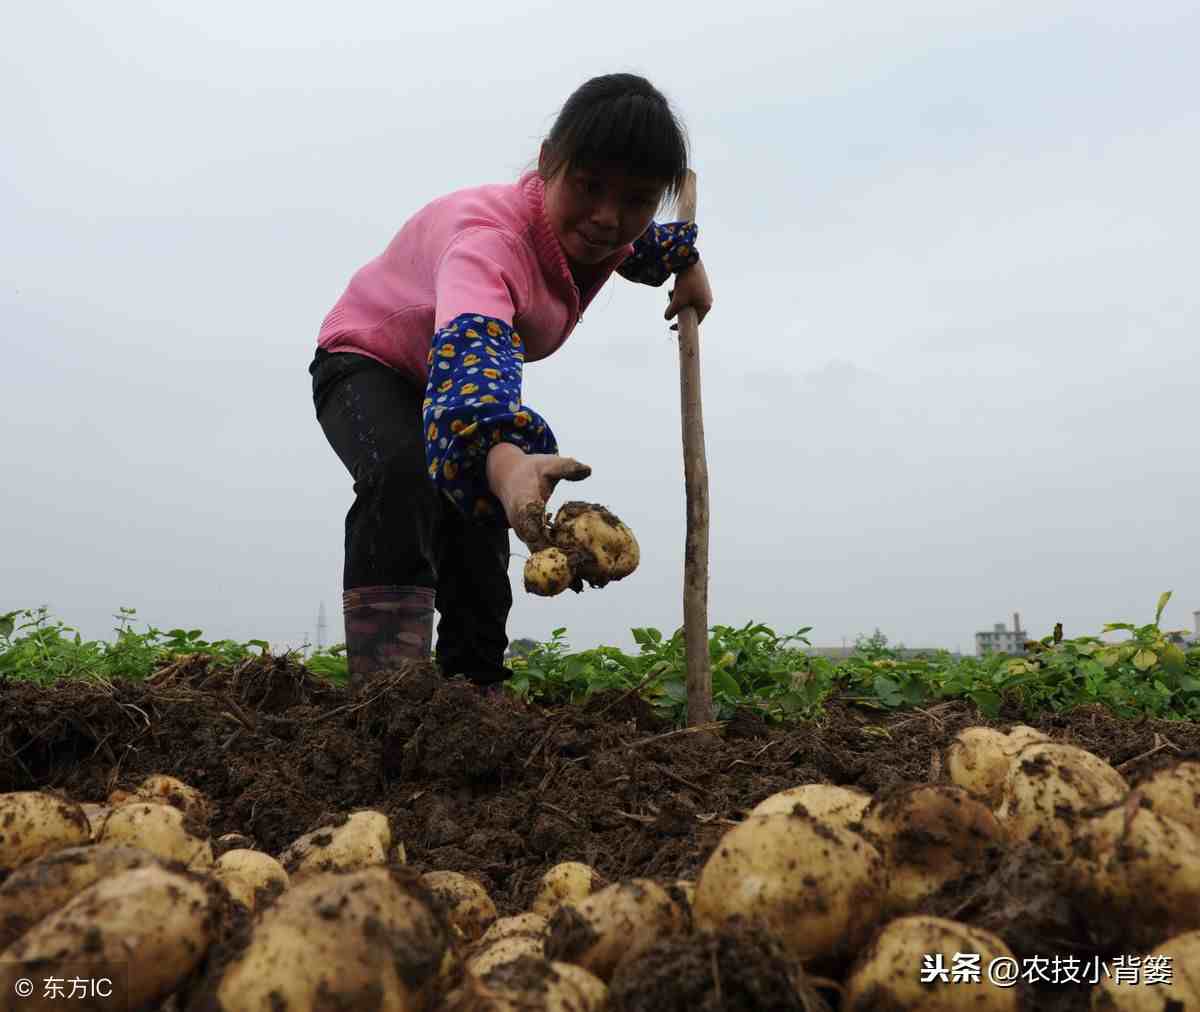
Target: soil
503	791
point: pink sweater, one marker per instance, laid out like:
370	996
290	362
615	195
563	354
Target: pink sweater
487	250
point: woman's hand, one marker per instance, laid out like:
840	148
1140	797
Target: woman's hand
524	482
691	289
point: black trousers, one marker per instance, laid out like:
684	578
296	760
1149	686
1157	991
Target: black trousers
400	529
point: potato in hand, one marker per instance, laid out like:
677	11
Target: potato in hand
584	542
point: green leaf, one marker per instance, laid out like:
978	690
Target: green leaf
723	682
1162	603
1144	660
988	702
888	690
1173	659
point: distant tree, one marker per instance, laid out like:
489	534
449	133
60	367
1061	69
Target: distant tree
520	647
875	645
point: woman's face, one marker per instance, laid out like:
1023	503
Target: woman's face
595	211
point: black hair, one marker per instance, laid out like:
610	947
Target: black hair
619	119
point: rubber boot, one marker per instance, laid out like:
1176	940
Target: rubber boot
386	626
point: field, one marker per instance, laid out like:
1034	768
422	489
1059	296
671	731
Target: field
505	789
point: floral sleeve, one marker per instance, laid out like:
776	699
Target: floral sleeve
662	250
473	402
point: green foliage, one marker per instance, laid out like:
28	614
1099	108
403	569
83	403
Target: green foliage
1147	671
34	648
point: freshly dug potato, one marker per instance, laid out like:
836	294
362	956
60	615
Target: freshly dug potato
548	572
467	905
818	888
1021	735
38	888
33	823
364	939
528	983
160	829
504	950
620	920
836	806
1137	872
591	987
162	919
931	834
977	760
232	841
979	757
160	789
569	881
1175	792
518	924
250	876
599	546
1182	994
1046	788
888	974
360	841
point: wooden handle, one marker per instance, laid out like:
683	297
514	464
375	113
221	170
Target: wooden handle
695	478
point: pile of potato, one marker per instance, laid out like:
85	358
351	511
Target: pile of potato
836	876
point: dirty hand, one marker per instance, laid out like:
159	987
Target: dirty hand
524	482
691	289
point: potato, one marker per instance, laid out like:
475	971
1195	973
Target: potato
593	990
1020	735
232	841
836	806
250	876
931	835
40	887
159	829
362	939
1182	994
599	546
144	929
467	905
819	889
1137	872
518	924
505	950
1175	792
978	759
33	823
888	973
568	881
160	789
620	920
529	983
1046	788
360	841
548	572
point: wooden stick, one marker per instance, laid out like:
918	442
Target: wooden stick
695	477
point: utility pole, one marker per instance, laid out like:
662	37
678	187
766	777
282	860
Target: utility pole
321	626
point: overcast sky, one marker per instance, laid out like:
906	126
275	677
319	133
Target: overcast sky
952	370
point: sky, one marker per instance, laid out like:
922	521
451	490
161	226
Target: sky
951	371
